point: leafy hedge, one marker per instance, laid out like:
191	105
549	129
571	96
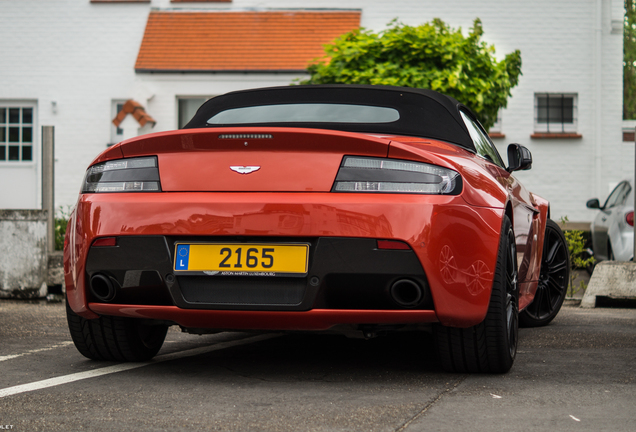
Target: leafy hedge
432	55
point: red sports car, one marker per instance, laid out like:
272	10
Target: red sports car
350	209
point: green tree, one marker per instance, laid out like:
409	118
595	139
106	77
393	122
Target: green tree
629	61
432	55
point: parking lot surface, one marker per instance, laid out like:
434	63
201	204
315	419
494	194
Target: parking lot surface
577	374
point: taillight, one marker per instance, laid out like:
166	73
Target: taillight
366	174
629	218
123	175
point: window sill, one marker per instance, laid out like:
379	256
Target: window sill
120	1
544	135
16	164
494	135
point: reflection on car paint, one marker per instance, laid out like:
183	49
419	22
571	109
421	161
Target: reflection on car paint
475	278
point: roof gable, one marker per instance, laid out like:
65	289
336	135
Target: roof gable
176	41
137	111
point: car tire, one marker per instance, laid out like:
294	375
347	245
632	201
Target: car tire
553	279
115	338
490	346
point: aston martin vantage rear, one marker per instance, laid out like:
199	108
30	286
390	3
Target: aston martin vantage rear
350	209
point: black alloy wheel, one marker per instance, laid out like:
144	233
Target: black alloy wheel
553	279
512	296
490	346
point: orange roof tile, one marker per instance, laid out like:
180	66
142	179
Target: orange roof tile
138	112
239	41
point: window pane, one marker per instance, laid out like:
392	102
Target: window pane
542	101
542	113
3	134
554	109
14	115
27	134
557	109
542	109
307	113
623	196
3	115
3	153
14	134
482	143
614	196
14	153
27	115
26	153
568	110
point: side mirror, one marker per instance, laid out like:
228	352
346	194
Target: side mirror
593	204
519	158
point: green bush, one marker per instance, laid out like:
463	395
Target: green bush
61	221
578	258
432	55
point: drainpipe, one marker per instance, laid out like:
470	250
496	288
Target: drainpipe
598	93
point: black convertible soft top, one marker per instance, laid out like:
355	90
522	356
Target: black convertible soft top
422	113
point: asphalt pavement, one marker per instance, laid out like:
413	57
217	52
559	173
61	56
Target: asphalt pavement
577	374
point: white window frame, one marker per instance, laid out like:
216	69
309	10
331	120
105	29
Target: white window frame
8	104
556	127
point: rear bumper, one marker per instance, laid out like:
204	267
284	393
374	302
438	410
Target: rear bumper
455	245
315	319
343	273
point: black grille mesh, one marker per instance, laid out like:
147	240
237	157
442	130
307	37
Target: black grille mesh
257	291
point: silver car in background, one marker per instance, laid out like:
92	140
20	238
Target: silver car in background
613	228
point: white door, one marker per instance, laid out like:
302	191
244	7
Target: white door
19	156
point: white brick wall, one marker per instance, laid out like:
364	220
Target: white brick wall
82	56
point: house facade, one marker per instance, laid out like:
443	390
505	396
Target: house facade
75	65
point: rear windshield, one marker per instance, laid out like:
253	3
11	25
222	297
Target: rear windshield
306	113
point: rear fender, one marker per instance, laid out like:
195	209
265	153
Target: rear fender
75	251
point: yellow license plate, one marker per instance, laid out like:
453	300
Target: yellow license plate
241	258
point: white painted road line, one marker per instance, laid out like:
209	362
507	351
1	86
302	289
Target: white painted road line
52	382
12	356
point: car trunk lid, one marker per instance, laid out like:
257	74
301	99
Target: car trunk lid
252	159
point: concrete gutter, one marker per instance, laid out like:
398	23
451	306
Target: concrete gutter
613	279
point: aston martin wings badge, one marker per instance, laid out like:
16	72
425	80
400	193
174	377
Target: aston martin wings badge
245	169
